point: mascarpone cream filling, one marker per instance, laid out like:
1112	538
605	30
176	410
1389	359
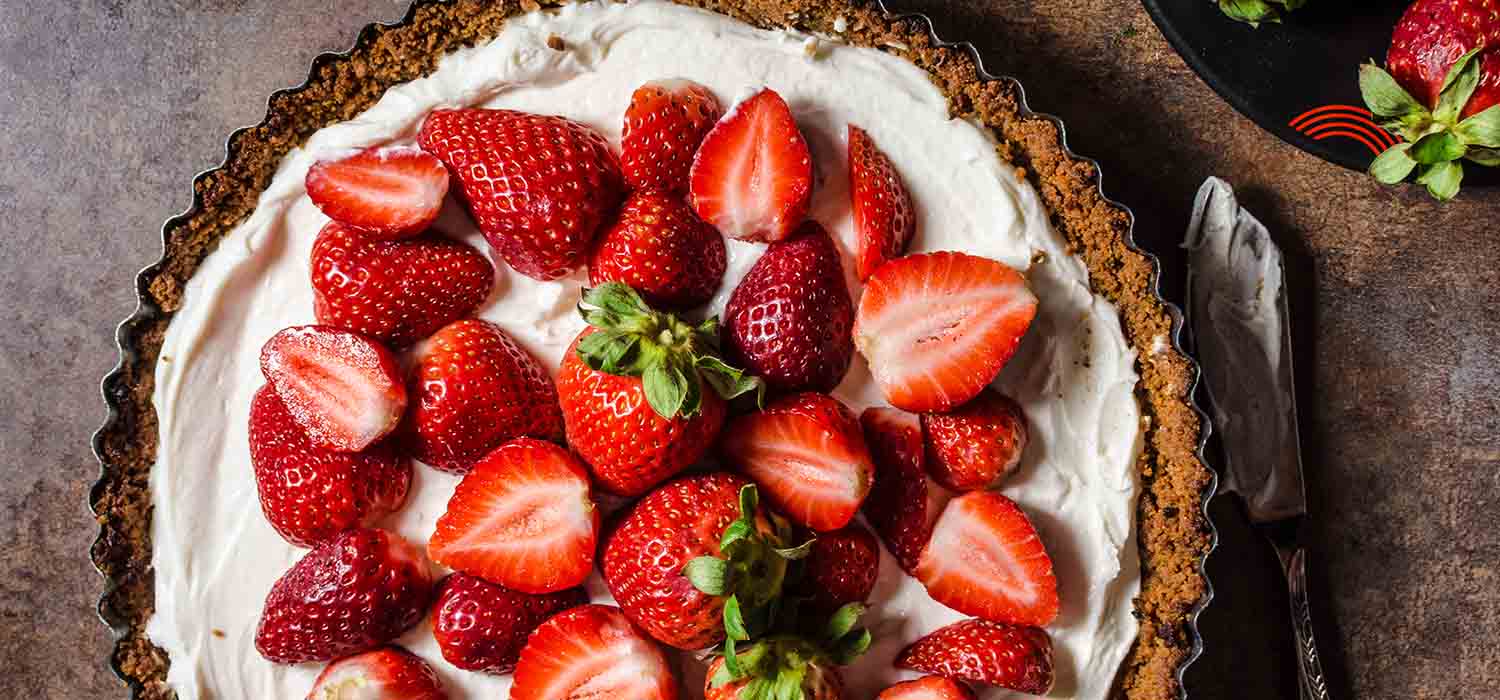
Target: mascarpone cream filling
215	555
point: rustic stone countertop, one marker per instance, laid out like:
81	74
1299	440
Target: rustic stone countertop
108	107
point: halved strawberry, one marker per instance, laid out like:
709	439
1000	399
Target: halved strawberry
936	328
385	192
481	627
387	673
986	560
993	653
592	651
664	124
521	518
344	389
807	454
752	177
904	503
978	444
927	688
883	216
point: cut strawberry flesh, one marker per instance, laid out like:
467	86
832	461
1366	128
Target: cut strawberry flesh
388	673
937	328
344	389
592	652
985	559
752	177
386	193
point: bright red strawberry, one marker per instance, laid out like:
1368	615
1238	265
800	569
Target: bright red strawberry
351	594
1431	36
592	651
904	503
752	177
521	518
790	320
538	186
659	247
819	682
396	292
808	455
664	124
481	627
883	216
978	444
986	560
927	688
936	328
472	389
840	569
387	673
308	493
993	653
385	193
344	389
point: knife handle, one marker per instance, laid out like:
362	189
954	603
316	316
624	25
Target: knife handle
1310	680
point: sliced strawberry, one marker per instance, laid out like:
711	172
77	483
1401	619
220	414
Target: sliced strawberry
386	193
986	560
396	292
883	216
752	177
904	503
592	652
978	444
993	653
344	389
936	328
387	673
841	569
664	124
481	627
927	688
310	494
807	454
659	247
521	518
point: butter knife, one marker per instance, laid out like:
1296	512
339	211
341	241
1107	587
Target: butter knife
1237	311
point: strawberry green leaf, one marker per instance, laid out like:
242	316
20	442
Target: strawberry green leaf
1484	156
843	621
737	531
852	647
788	684
757	689
1393	165
665	387
749	501
731	666
799	552
1482	129
617	298
1439	147
1252	12
1442	180
1384	96
734	622
708	574
1458	87
730	382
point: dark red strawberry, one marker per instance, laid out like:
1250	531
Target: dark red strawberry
310	494
521	518
752	177
387	673
481	627
993	653
539	186
1432	35
978	444
664	124
592	652
383	192
927	688
659	247
790	320
808	455
986	560
936	328
472	389
344	389
840	569
904	503
351	594
883	216
396	292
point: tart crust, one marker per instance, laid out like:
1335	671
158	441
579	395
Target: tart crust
1173	531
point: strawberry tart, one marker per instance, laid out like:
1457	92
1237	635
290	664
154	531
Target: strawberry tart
644	350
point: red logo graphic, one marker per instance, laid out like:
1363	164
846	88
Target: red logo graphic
1347	121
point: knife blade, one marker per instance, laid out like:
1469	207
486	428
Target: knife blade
1238	314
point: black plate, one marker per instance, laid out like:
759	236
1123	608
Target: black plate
1298	79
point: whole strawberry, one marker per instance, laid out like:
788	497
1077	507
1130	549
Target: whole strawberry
817	682
659	247
684	550
480	626
664	124
308	493
538	186
976	445
397	292
993	653
790	320
642	392
351	594
840	569
472	389
387	673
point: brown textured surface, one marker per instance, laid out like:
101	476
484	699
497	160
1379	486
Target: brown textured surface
108	104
